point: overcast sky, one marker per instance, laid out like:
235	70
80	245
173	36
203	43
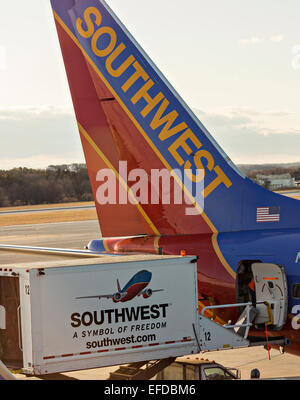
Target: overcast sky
237	63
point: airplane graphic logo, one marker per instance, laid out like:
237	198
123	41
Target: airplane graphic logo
135	287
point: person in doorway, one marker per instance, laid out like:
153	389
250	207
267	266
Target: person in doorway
252	292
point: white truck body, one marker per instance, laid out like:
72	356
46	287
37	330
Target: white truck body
68	319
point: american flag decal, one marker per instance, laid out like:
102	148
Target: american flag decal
268	214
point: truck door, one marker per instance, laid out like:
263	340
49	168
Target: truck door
271	287
10	352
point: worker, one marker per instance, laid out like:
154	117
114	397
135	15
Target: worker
255	374
252	292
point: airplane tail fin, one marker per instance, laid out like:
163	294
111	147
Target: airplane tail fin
118	286
133	123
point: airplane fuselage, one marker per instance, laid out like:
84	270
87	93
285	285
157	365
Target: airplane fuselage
134	291
136	285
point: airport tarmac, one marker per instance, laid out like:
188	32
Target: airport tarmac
72	235
76	235
280	367
39	210
289	193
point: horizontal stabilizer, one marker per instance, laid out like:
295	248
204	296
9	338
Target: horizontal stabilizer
52	251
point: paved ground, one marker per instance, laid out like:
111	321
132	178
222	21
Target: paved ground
280	366
40	210
73	235
289	192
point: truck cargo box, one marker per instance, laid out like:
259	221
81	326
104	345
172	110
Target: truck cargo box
59	317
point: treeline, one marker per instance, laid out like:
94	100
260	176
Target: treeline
23	186
252	172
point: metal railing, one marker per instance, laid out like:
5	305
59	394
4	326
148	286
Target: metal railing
248	306
6	374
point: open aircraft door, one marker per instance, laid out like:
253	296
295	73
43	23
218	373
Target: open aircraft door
271	295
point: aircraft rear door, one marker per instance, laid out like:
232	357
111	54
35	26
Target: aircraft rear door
271	287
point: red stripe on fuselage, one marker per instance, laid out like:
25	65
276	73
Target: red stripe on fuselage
134	290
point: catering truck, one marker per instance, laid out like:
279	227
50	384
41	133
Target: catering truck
138	311
58	317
